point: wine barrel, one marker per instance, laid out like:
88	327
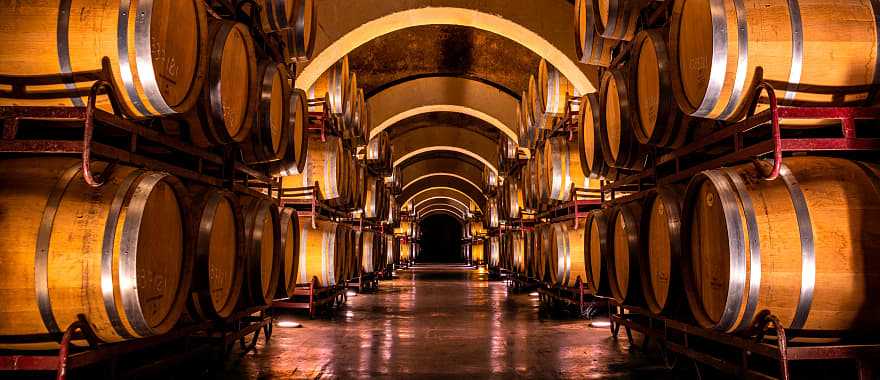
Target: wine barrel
115	254
515	202
477	252
490	217
156	59
567	267
658	122
597	250
225	113
590	47
379	150
290	232
801	246
262	236
518	246
368	252
494	257
272	14
626	247
326	166
333	87
360	128
350	107
539	121
816	52
564	170
317	246
620	147
301	36
219	254
294	160
616	19
660	260
541	175
550	98
531	260
592	159
374	199
528	133
490	179
508	151
404	252
271	131
351	254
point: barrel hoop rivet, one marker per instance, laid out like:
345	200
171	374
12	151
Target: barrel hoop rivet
108	244
808	253
122	48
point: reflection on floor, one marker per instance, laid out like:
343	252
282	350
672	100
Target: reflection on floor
441	321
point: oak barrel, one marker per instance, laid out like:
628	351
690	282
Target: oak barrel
620	147
115	254
368	251
270	134
592	159
590	47
658	120
616	19
597	250
302	24
326	166
333	87
567	255
219	254
550	98
294	159
564	170
157	50
660	257
801	246
812	52
317	246
262	237
626	247
225	113
290	251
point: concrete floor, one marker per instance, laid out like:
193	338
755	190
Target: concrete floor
444	321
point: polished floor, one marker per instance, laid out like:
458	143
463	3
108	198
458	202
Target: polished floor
441	321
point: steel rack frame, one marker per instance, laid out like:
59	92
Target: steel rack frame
558	297
742	146
109	135
766	339
197	338
314	298
365	282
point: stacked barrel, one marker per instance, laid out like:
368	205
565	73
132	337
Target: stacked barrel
149	248
730	242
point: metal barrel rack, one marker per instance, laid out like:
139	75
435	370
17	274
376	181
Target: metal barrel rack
577	298
314	299
365	282
767	350
764	352
182	343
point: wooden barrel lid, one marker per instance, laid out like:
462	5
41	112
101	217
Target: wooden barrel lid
277	106
160	263
621	255
267	252
222	255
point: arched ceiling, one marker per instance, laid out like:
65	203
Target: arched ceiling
446	148
424	138
443	211
345	25
415	169
442	183
446	195
443	94
443	50
427	202
440	206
